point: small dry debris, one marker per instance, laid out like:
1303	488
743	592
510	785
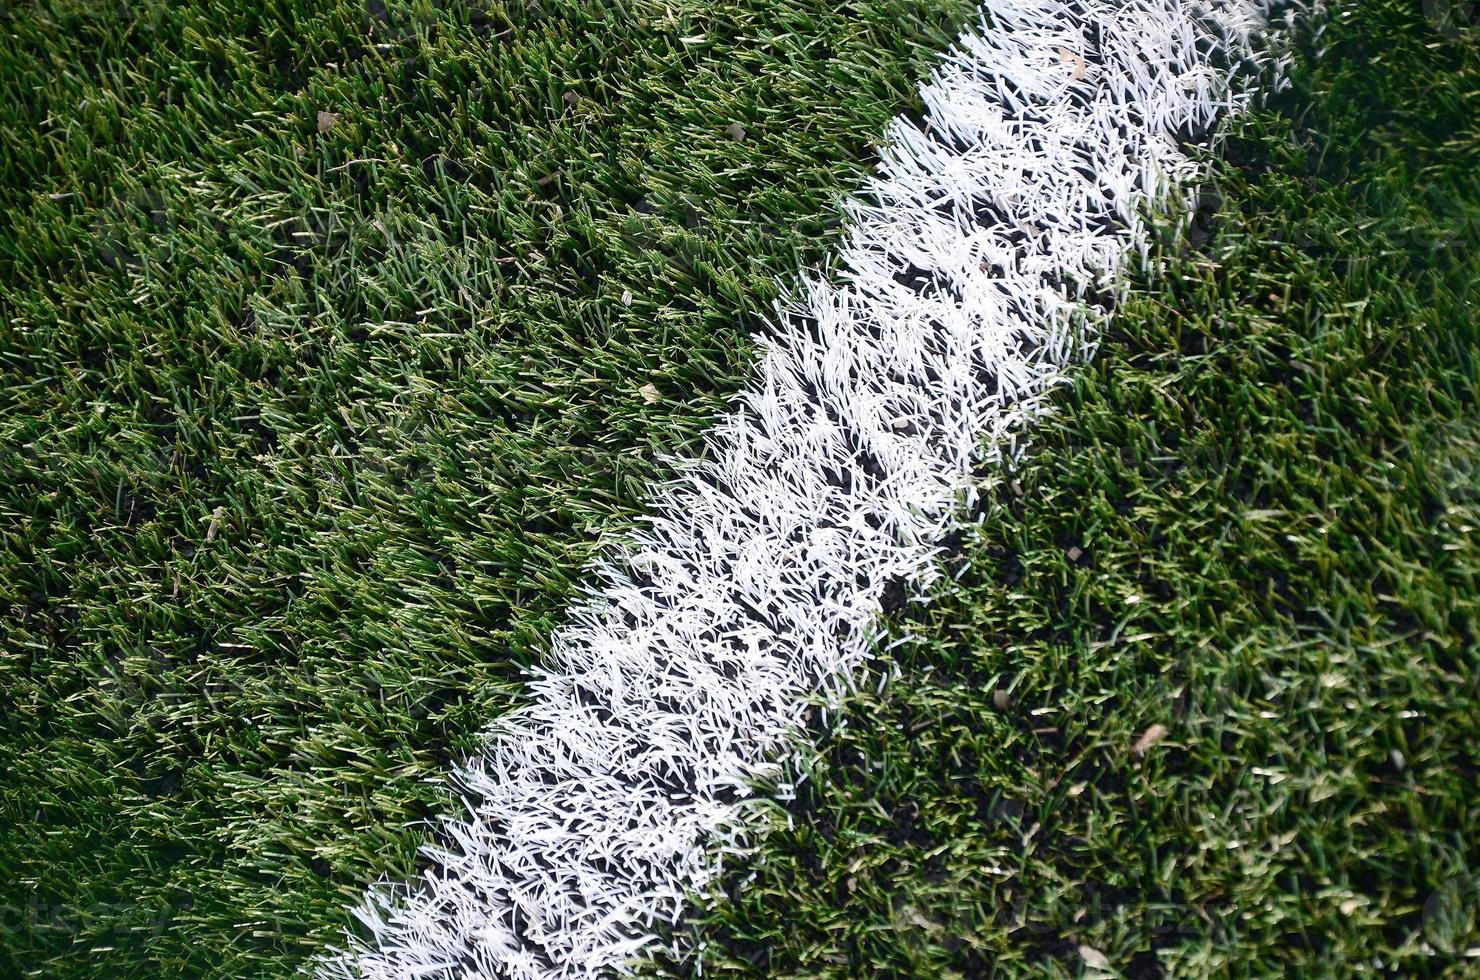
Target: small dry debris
1067	57
650	393
915	918
1001	700
215	526
737	132
1148	739
1093	958
1075	553
327	121
626	297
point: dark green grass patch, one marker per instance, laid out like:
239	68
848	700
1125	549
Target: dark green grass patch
327	334
1204	699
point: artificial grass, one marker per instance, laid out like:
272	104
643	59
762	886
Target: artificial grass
1202	699
336	336
305	436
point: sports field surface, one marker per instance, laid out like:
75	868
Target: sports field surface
338	337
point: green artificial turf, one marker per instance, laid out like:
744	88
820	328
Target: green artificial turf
326	329
1204	698
305	436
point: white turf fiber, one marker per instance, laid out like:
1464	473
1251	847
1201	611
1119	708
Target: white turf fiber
961	292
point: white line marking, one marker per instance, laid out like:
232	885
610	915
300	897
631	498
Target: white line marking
597	810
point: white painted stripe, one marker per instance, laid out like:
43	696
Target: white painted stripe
598	809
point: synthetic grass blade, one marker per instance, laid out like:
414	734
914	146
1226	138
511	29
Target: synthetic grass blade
963	289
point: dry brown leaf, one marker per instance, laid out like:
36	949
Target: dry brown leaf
1149	738
327	121
650	393
1067	57
1094	958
